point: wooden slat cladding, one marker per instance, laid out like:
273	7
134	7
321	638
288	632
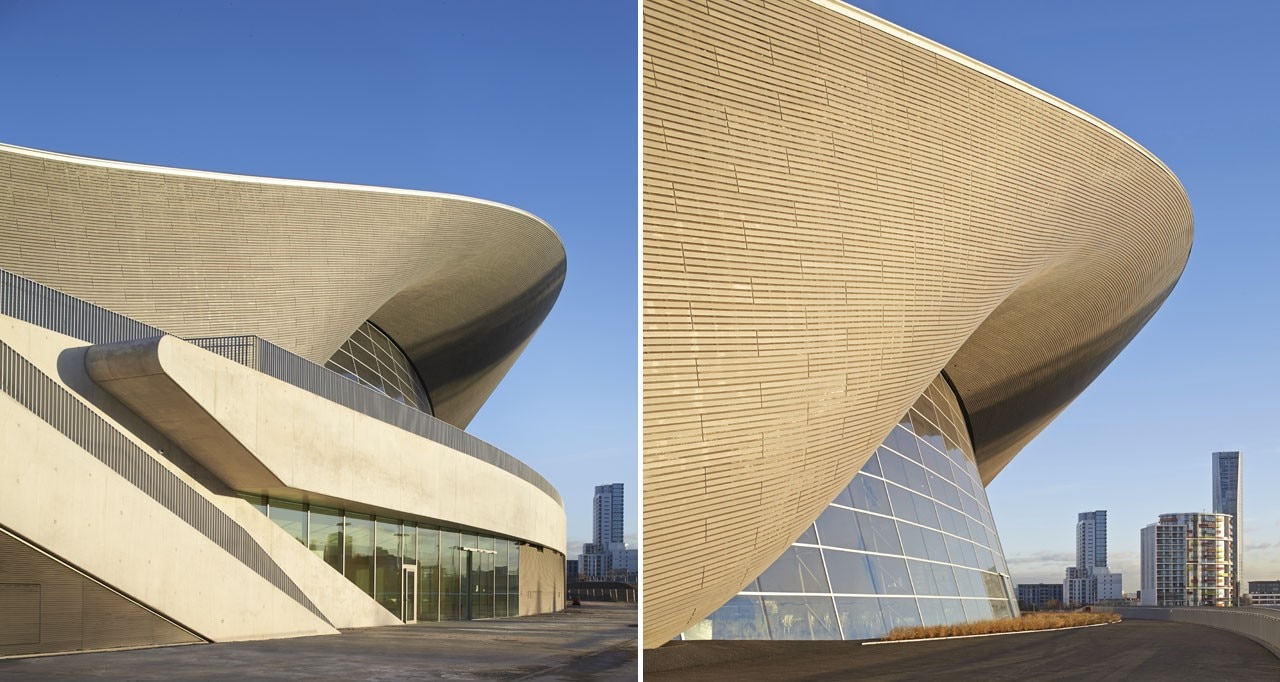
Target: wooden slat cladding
541	580
46	606
835	210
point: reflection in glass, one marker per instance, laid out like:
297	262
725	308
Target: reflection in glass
801	618
290	516
920	547
387	564
451	594
373	553
799	569
513	578
326	536
371	358
740	618
500	579
860	617
358	559
428	574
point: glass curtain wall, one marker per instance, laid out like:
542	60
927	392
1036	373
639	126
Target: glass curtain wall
371	358
460	575
910	541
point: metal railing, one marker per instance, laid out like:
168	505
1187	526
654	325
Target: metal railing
601	594
32	302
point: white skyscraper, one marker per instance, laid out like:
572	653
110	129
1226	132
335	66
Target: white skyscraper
1090	580
607	512
1228	498
1091	540
607	556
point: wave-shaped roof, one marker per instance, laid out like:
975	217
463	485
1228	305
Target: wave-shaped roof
460	284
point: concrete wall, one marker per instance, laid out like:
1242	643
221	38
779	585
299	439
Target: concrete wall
264	435
76	507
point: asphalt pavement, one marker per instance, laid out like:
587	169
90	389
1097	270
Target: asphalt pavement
596	641
1129	650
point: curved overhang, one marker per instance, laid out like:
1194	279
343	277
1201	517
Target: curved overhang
242	425
836	210
461	284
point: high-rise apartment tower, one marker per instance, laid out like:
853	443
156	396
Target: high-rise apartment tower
1090	580
607	511
1186	561
1091	540
1228	498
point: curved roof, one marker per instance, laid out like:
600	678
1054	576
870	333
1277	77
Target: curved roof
460	284
836	210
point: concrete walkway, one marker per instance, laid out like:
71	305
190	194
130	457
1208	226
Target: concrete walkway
596	641
1130	650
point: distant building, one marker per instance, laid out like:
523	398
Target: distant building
1032	596
1091	540
1090	581
1264	592
1186	561
607	557
607	514
571	570
1079	587
1109	586
1228	498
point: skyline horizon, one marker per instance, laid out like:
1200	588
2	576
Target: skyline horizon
1132	559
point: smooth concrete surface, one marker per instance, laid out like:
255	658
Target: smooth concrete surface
1260	624
74	506
460	284
596	641
267	436
835	210
1129	650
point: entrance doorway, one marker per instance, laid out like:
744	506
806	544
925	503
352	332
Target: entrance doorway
477	583
409	594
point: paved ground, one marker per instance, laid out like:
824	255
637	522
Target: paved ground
1130	650
594	642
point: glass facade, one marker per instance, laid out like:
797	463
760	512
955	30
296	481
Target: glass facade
371	358
910	541
460	576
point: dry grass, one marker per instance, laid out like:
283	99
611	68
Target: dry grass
1030	621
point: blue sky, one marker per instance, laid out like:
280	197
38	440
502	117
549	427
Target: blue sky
528	104
1198	85
534	105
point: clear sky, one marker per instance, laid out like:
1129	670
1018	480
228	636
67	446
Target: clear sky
528	104
1198	84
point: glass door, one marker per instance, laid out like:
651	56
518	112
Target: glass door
409	594
468	581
